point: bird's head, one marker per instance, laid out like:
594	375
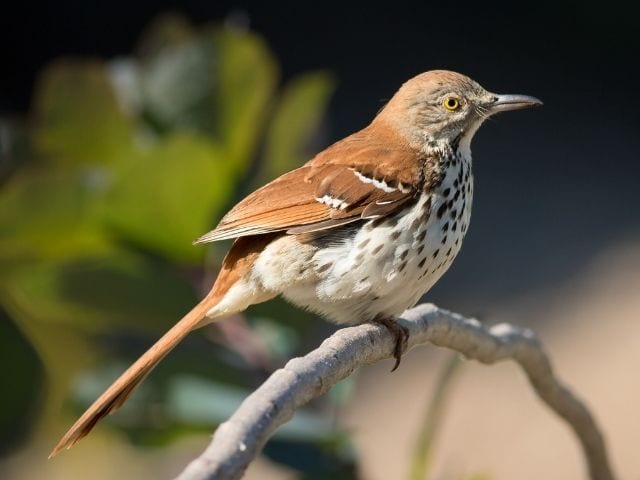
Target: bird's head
440	107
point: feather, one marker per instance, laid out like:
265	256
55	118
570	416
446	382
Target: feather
366	175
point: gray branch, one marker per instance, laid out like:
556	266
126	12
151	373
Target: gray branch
239	440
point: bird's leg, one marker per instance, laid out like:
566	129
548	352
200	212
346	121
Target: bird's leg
400	334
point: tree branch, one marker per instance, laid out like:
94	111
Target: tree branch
239	440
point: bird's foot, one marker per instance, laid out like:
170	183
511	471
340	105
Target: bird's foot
400	334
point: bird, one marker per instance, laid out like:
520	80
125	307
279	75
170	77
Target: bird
357	234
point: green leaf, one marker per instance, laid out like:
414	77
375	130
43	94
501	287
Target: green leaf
95	293
169	196
297	117
51	214
22	376
245	77
78	116
219	83
176	86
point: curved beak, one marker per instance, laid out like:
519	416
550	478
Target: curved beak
504	103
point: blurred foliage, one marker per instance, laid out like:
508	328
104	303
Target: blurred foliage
421	467
121	165
20	392
434	413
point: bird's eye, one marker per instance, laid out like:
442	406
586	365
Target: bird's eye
451	103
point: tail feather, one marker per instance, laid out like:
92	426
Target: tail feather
115	396
235	266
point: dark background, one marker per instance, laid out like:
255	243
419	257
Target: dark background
554	186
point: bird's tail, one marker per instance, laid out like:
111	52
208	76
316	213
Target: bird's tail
115	396
235	267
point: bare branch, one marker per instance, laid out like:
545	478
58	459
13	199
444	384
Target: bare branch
238	440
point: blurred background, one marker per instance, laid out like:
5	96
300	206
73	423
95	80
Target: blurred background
127	129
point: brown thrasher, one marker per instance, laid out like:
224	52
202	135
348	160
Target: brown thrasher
358	234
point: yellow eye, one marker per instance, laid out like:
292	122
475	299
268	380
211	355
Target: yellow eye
451	103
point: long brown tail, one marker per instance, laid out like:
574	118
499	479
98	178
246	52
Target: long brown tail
235	266
115	396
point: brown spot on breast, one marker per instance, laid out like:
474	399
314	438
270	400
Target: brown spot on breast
421	236
404	254
426	208
435	254
454	212
442	209
363	243
422	262
444	240
377	249
446	192
420	248
454	227
395	234
402	266
324	267
445	227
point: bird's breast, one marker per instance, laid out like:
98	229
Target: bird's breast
384	266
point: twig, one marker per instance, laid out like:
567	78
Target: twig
238	441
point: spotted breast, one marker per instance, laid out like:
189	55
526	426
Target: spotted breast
384	265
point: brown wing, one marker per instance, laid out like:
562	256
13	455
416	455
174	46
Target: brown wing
355	178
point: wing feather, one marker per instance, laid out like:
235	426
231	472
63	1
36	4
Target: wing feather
353	179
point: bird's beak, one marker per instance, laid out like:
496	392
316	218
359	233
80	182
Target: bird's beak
504	103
